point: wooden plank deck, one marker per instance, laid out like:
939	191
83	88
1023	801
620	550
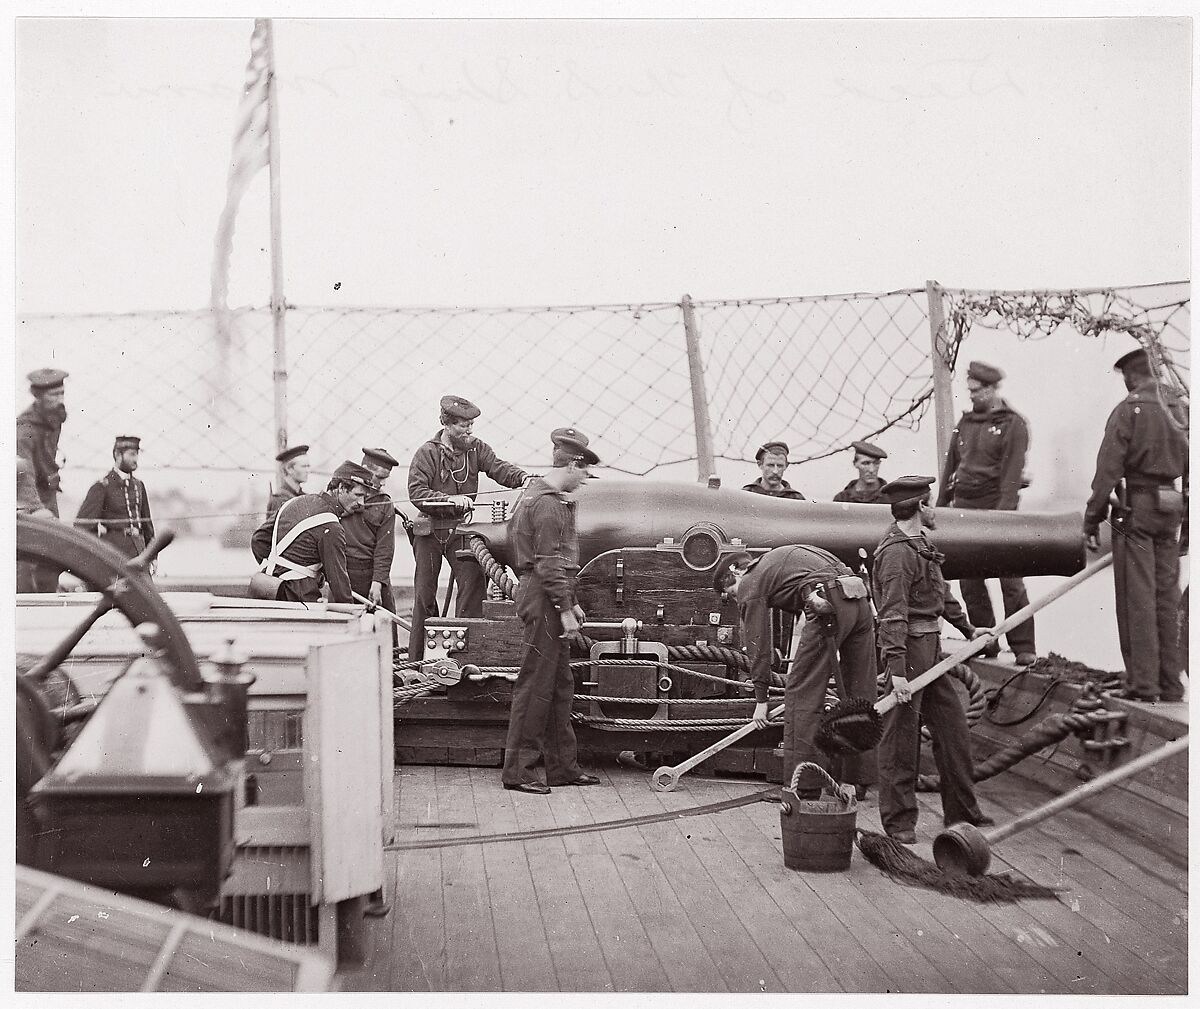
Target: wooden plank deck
705	903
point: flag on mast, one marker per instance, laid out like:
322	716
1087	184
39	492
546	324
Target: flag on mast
251	151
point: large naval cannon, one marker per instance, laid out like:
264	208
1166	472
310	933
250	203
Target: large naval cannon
647	555
702	520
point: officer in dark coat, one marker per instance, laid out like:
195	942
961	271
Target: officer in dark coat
294	469
838	638
317	554
546	555
445	469
371	535
772	459
865	488
985	467
911	598
1143	457
116	507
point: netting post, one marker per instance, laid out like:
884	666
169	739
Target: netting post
943	393
278	306
705	462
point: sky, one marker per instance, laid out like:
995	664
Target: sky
576	162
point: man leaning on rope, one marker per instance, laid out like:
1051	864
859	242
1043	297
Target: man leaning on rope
305	546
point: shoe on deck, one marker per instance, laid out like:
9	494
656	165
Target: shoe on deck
1026	658
531	787
904	836
990	650
583	779
1125	694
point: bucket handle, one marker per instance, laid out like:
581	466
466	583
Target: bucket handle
846	795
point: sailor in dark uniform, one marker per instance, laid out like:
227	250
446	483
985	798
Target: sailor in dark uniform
305	545
38	429
295	468
546	555
865	488
1143	456
371	535
446	469
772	459
117	508
911	600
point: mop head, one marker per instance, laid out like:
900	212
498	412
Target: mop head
896	860
853	726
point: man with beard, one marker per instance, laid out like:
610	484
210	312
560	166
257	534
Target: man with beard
985	470
294	468
371	535
117	508
772	459
39	427
306	544
911	598
446	470
865	488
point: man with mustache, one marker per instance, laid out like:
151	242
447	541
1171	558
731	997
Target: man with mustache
39	427
117	508
446	469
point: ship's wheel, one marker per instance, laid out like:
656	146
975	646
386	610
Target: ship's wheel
46	698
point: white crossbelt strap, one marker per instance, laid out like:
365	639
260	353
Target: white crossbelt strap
293	571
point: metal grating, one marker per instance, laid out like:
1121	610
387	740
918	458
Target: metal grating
288	917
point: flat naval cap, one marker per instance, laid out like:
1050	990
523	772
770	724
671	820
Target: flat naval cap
575	442
869	450
125	441
288	454
776	447
352	472
988	374
905	488
456	406
45	379
380	457
1135	358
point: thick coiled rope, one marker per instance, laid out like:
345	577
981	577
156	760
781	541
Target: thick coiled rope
1086	712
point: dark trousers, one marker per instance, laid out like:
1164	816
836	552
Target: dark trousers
852	646
540	721
466	575
979	603
1146	578
938	706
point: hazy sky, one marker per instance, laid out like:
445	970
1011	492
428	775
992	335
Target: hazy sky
536	161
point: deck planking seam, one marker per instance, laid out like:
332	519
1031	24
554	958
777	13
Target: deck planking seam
662	916
723	935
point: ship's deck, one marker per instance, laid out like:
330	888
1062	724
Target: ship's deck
705	903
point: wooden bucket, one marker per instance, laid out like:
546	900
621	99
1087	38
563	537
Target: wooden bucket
818	835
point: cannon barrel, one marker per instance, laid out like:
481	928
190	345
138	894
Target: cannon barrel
613	514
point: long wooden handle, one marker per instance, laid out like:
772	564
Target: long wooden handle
384	610
1086	791
976	645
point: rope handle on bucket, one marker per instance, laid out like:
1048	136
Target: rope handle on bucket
846	795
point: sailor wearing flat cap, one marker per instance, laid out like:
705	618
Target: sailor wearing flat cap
985	470
865	488
545	548
39	427
1143	457
443	480
371	535
772	459
116	507
911	599
294	469
304	547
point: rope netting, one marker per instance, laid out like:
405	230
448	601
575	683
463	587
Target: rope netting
820	370
1158	316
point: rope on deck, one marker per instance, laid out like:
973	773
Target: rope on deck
586	828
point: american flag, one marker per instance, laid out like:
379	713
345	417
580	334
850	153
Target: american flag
251	151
